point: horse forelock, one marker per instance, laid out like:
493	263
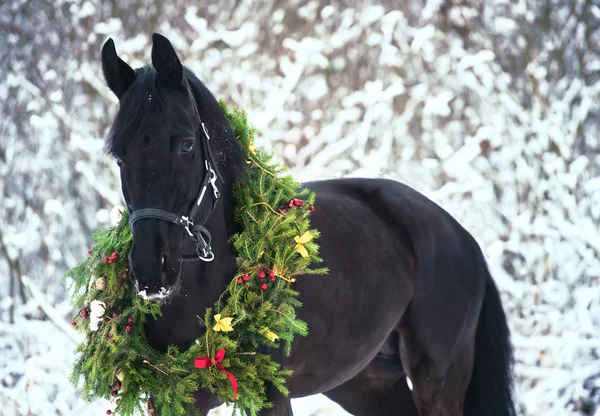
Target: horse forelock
144	97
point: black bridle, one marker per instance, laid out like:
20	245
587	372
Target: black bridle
195	229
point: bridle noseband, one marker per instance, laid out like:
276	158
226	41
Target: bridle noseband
196	230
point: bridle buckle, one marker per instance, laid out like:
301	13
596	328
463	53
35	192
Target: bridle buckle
186	223
207	255
213	183
203	248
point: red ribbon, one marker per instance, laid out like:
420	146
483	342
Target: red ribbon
205	362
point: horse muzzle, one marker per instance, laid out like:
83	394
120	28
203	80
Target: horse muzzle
155	267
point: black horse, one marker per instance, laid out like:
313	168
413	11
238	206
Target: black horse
407	322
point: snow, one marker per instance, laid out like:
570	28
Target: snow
163	293
492	112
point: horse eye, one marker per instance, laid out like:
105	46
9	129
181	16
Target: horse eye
187	148
117	159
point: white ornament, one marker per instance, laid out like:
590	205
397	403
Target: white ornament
115	214
97	310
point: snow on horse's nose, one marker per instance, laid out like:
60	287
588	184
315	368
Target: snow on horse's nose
154	270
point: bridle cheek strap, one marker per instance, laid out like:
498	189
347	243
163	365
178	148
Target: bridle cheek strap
196	231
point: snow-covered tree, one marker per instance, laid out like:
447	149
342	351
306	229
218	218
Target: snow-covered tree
490	108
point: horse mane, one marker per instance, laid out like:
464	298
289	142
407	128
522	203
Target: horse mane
225	147
148	94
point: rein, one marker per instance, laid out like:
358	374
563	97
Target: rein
195	229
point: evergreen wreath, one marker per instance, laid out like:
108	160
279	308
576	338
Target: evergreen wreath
257	308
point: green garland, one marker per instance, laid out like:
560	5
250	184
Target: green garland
116	362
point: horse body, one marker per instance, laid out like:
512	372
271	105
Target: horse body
352	311
383	312
408	293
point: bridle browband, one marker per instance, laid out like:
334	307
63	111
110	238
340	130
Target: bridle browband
195	229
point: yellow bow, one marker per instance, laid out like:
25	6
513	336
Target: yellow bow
223	324
270	334
300	241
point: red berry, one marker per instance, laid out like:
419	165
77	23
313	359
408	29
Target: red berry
291	204
114	256
90	251
130	320
283	211
114	393
84	313
117	384
312	208
105	259
73	323
272	275
246	277
108	412
264	286
128	329
240	281
261	274
298	202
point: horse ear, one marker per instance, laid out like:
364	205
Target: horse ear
117	73
166	62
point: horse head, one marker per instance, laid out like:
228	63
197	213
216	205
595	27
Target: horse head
161	141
